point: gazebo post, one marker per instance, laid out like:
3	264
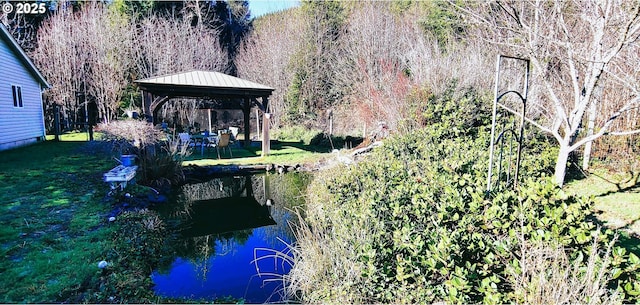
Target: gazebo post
247	126
266	142
147	99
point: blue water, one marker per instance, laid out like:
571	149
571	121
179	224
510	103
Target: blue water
231	271
234	239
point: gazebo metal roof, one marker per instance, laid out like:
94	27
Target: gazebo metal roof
203	84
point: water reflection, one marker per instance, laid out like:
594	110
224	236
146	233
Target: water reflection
224	224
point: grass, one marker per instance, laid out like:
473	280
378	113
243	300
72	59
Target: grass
616	196
52	230
284	153
74	137
549	276
617	201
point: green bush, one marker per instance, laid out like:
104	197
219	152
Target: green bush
457	110
412	224
161	165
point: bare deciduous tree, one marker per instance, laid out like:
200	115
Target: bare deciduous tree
315	89
374	66
61	58
99	50
170	46
86	52
109	58
582	54
263	61
388	54
165	46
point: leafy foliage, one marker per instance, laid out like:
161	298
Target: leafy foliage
461	110
418	227
234	24
442	22
313	89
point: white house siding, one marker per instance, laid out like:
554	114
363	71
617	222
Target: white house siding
25	125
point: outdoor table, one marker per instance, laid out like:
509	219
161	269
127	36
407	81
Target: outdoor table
203	140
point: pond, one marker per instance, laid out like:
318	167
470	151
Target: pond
233	239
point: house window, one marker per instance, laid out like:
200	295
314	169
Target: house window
17	96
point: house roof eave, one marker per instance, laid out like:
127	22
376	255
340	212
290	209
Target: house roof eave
22	56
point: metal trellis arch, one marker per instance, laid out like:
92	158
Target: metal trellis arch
500	139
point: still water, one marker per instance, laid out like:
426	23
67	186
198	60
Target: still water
233	239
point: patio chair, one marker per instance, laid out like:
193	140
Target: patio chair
185	140
234	135
211	141
223	141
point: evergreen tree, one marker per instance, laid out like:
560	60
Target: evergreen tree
233	20
313	89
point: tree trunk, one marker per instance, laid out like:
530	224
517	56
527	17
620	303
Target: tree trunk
56	120
586	154
591	122
561	164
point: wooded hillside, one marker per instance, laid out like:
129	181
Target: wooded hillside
357	63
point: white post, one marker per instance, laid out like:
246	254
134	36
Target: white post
266	145
493	123
364	131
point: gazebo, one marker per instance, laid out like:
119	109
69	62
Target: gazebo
222	91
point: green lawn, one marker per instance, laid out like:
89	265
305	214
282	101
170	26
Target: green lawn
74	137
617	202
616	196
283	153
289	153
52	229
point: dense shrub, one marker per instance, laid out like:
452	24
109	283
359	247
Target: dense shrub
413	224
459	110
127	136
